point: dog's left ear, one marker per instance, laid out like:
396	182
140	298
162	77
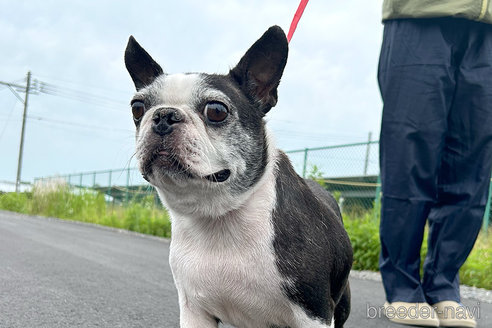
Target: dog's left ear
259	71
142	68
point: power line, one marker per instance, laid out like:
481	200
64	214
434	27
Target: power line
38	118
86	133
278	121
97	87
38	86
7	121
83	96
284	134
86	100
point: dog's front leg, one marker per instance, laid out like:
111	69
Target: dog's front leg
195	319
191	316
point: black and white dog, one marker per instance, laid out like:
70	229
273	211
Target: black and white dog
253	244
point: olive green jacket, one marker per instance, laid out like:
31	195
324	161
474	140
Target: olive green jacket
479	10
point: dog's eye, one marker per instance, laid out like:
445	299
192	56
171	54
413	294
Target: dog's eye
216	112
138	109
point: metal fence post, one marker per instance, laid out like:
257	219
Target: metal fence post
109	183
486	217
80	184
305	162
94	181
368	150
127	196
377	198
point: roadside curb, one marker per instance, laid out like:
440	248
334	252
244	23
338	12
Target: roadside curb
479	294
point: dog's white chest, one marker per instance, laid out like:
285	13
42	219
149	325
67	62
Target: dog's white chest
235	286
227	266
232	279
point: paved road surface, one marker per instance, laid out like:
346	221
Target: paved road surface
62	274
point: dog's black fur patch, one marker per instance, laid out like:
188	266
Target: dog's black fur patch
251	120
312	247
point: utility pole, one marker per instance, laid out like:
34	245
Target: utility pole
21	149
25	89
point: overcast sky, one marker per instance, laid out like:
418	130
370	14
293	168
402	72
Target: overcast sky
328	94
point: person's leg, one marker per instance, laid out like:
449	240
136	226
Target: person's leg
416	83
464	176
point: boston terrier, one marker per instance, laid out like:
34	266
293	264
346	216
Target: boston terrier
253	244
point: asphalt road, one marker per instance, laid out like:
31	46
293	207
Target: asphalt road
63	274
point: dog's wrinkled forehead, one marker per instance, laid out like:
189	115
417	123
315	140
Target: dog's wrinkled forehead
182	91
178	89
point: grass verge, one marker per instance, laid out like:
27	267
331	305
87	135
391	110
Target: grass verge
143	216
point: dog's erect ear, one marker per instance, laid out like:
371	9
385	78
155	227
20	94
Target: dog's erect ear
259	71
142	68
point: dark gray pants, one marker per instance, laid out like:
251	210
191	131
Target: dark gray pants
435	78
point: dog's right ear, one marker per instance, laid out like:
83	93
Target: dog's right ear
142	68
258	73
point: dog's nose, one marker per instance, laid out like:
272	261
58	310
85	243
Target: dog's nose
164	119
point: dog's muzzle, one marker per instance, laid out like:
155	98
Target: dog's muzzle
163	122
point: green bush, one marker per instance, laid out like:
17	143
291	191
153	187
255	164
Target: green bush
364	235
65	203
477	269
146	217
15	202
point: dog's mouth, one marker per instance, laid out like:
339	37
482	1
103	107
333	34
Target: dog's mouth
162	159
172	164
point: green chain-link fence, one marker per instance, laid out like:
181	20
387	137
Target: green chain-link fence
119	185
350	172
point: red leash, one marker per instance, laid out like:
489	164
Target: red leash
296	19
